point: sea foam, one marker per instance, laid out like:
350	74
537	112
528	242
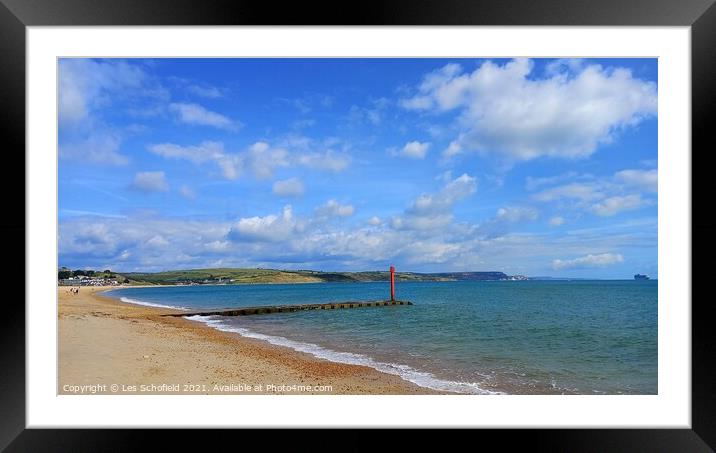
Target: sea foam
407	373
149	304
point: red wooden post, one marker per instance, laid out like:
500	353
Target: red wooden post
392	282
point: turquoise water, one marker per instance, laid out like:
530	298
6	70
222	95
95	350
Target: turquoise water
529	337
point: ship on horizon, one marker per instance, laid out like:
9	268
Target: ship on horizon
641	277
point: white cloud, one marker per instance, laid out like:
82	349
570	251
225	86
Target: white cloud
563	65
644	179
138	243
187	192
504	219
504	110
218	246
414	150
327	160
157	241
325	100
292	187
375	221
532	183
515	214
286	240
205	91
82	212
72	101
87	88
431	83
454	191
431	252
261	159
100	147
150	181
86	85
588	261
556	221
203	152
422	222
604	197
271	228
309	102
190	113
578	191
332	208
373	114
453	149
432	211
230	165
417	103
614	205
201	89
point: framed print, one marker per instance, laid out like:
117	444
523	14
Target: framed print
402	218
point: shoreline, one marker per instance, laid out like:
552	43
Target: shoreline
104	342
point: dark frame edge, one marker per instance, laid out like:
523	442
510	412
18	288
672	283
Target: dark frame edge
12	334
703	346
702	435
366	12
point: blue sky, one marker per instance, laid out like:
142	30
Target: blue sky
527	166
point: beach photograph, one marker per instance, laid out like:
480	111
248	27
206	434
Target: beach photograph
357	226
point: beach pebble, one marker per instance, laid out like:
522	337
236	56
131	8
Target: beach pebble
146	356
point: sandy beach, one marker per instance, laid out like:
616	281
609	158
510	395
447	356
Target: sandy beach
109	347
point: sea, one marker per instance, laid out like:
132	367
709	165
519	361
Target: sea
472	337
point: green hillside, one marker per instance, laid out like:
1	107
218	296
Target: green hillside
221	275
238	276
245	276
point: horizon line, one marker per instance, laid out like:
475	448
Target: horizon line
362	271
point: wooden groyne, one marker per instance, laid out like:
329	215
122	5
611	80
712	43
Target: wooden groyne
289	308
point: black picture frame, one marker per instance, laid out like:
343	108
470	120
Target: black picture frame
700	15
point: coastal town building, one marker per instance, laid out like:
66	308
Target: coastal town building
83	280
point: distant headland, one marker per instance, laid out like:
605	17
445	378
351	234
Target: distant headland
230	276
235	276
